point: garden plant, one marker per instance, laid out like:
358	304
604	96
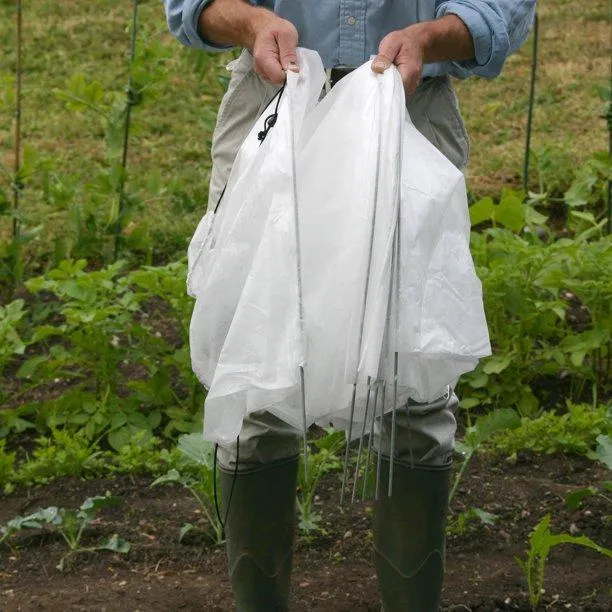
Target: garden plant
103	179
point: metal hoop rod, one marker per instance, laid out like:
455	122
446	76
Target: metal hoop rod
298	263
366	291
370	441
379	460
361	438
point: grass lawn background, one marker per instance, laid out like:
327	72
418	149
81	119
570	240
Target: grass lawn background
170	140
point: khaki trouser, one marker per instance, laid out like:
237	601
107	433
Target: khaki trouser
424	432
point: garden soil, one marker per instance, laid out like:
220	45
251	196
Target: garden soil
333	572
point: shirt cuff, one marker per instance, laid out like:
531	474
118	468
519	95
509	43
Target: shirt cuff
489	51
191	20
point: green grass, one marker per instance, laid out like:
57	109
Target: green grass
173	126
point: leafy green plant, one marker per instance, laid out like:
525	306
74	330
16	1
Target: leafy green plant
576	432
64	454
511	212
326	459
575	498
7	462
460	523
195	472
70	524
11	343
142	455
541	541
549	317
96	336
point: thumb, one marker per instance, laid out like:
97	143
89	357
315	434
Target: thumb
287	43
380	63
387	52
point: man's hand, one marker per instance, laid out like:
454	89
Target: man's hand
271	39
445	39
273	47
405	49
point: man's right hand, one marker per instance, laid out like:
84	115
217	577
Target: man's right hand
274	43
271	39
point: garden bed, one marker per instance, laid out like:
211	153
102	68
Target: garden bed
333	572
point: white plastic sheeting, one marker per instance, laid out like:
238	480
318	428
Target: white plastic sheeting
340	251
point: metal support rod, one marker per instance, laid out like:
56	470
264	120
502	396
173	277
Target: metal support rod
17	183
130	101
361	438
366	291
393	424
298	270
534	65
379	459
394	283
370	441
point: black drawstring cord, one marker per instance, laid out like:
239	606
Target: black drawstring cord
270	120
269	123
223	522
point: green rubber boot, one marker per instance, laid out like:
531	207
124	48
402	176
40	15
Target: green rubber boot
259	531
409	538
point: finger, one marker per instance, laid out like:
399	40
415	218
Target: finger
388	49
266	63
411	77
380	64
287	43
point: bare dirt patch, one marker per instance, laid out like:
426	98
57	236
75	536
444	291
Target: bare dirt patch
333	572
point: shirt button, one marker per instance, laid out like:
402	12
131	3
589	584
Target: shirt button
351	20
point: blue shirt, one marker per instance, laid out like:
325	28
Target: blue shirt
348	32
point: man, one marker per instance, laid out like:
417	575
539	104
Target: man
428	40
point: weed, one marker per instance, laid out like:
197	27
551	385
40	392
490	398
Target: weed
541	541
7	462
320	462
576	432
64	454
70	524
195	473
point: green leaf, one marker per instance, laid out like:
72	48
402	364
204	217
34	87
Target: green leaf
29	367
603	452
481	211
486	517
44	331
92	504
185	529
467	403
574	499
115	544
496	364
533	217
510	212
172	476
194	447
488	425
528	404
118	438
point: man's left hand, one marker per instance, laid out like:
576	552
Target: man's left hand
443	39
406	49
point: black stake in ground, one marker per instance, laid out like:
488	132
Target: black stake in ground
534	65
17	183
609	122
131	100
